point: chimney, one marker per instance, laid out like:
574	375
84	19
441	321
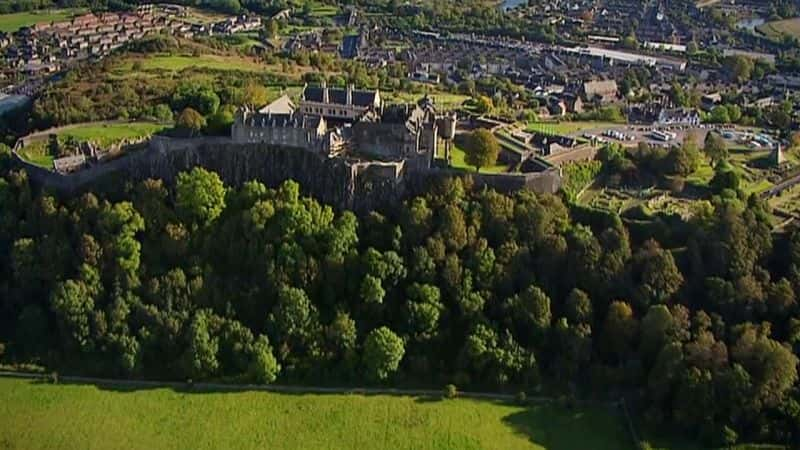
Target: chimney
325	98
350	94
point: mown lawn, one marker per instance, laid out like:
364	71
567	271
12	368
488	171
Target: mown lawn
567	127
101	133
459	162
443	101
35	415
37	155
107	134
15	21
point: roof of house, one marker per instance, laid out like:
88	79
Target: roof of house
339	96
282	105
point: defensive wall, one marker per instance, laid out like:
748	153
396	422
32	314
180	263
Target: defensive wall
340	182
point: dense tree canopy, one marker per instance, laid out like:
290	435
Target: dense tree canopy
699	326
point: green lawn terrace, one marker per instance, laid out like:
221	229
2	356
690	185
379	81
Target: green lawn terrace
103	134
568	128
13	22
443	101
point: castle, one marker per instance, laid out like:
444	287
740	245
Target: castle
348	150
349	123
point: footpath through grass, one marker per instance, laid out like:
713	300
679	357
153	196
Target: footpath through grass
15	21
35	415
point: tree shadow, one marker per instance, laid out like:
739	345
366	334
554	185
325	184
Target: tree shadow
556	427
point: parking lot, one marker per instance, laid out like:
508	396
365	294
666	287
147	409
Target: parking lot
632	135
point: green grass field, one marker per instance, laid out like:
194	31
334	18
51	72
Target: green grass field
176	63
567	127
37	155
35	415
459	162
443	101
107	134
104	134
15	21
778	28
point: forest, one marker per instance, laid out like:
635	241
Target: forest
699	330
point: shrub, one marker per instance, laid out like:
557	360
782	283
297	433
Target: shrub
450	391
521	397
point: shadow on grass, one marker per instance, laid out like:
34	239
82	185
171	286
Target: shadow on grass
233	387
559	428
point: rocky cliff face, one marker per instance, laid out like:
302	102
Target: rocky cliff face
333	181
343	184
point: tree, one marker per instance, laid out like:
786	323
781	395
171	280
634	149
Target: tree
198	97
190	121
73	305
291	317
201	354
719	114
715	148
264	367
725	177
619	329
371	290
383	351
578	308
484	104
533	305
256	94
739	67
654	274
200	196
772	366
657	329
683	160
424	307
220	122
481	149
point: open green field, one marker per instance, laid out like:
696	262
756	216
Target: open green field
459	162
34	415
317	9
176	63
563	128
101	133
442	100
15	21
778	28
107	134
